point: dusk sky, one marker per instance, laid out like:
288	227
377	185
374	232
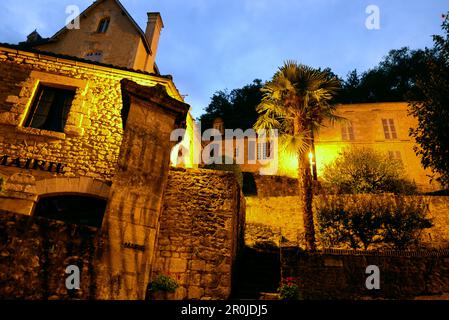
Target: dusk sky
210	45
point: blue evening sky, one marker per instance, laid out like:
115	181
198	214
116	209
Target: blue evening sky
209	45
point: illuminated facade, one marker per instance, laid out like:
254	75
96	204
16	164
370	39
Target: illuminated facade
381	126
85	140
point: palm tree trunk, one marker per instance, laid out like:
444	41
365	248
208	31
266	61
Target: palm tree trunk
306	195
312	149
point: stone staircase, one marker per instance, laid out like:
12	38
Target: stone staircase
256	275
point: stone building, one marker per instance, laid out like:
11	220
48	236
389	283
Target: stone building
85	126
107	34
381	126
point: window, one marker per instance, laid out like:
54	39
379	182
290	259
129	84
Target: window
389	129
94	56
50	109
251	150
347	132
263	151
103	25
219	126
395	155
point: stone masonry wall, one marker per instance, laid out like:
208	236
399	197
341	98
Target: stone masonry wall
270	218
135	203
89	146
93	134
275	186
341	274
200	231
34	254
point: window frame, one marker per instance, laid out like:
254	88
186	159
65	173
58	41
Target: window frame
103	25
395	155
389	129
347	132
28	120
264	150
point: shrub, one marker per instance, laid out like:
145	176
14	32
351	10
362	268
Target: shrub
163	283
289	289
364	170
365	221
407	216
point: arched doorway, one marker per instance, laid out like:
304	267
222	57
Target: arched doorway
72	208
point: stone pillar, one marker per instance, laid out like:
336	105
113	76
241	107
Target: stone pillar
132	217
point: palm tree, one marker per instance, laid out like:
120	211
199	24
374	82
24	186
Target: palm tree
297	101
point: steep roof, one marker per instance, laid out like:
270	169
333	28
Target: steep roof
93	6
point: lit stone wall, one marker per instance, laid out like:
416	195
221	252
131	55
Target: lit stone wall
201	229
341	274
90	143
270	218
134	205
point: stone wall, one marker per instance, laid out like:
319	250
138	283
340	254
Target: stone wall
201	228
134	208
89	146
93	134
269	218
34	254
275	186
340	274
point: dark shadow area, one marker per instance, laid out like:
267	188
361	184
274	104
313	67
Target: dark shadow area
256	271
438	193
249	187
74	209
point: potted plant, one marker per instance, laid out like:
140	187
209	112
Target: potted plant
161	287
289	289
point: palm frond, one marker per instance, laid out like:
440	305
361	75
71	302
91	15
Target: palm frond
294	144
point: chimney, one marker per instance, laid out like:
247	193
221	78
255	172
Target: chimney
154	27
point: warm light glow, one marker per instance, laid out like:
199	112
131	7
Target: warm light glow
186	145
311	157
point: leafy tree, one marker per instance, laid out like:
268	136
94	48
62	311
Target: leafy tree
392	80
364	170
237	108
432	111
297	102
370	220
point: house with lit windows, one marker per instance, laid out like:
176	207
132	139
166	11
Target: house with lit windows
380	126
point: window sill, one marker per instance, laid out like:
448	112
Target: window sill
40	132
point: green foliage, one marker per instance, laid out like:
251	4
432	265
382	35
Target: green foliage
370	220
432	132
163	283
289	289
237	108
392	80
364	170
296	102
